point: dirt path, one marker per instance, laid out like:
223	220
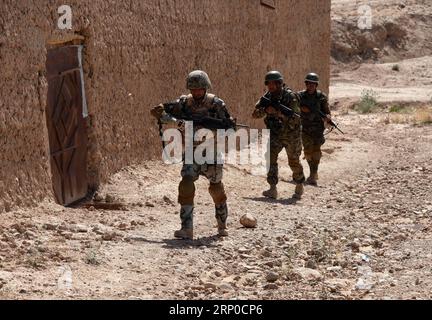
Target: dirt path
364	233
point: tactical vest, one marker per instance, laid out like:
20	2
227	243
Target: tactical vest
283	125
204	108
310	105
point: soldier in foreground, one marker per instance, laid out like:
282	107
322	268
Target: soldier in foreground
280	107
315	114
197	105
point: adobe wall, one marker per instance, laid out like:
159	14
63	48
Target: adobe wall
138	54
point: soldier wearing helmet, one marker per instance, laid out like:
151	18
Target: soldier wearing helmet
313	124
198	103
285	131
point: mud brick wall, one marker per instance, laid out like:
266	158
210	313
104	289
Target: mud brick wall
137	54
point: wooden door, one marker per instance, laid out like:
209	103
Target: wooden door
66	124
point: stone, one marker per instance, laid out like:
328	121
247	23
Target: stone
334	269
266	253
272	276
30	235
100	229
225	287
271	286
337	285
122	226
50	226
248	221
109	236
109	198
308	274
98	198
78	228
167	200
311	264
355	246
377	244
68	235
209	285
136	237
218	273
244	250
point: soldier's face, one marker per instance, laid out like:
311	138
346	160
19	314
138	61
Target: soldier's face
198	93
311	87
274	86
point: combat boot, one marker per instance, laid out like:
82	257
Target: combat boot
221	217
222	229
313	177
186	216
312	180
271	193
298	192
186	234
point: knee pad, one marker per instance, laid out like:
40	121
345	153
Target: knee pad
308	154
186	191
317	154
217	192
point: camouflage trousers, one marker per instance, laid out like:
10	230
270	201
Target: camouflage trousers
293	148
312	142
190	173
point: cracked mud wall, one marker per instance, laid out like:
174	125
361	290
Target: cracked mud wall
137	54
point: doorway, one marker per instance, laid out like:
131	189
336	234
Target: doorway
65	116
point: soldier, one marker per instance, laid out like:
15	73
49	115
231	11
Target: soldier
285	132
311	102
202	104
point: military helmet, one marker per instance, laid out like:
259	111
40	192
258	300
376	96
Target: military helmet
273	76
198	79
312	77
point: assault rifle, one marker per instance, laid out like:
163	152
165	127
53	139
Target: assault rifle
204	121
324	116
331	122
286	111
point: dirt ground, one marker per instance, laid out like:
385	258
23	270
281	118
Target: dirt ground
364	233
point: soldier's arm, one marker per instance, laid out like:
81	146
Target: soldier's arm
294	102
259	111
220	109
325	108
175	108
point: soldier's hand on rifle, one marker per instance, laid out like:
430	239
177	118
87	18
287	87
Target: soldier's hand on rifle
157	111
327	121
271	110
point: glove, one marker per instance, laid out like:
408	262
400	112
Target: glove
157	111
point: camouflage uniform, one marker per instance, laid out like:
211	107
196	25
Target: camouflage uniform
285	133
214	107
313	127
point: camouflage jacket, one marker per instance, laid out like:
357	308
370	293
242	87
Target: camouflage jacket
280	125
209	106
309	105
187	107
